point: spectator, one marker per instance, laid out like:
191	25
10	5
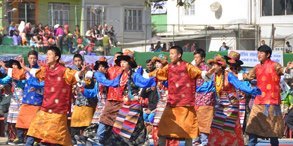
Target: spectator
164	48
106	44
158	47
224	47
262	42
288	47
152	48
186	48
77	31
11	29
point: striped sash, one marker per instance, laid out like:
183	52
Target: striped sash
126	119
226	115
160	106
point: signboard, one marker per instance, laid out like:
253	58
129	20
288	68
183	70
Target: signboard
89	59
250	59
159	7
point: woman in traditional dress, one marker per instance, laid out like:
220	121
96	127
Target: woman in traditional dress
129	128
226	129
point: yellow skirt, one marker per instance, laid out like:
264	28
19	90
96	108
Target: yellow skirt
178	122
50	128
81	116
204	116
26	115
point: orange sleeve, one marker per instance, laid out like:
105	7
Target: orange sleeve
18	74
193	72
71	76
153	73
162	74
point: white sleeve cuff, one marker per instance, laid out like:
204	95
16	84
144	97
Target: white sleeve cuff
204	76
77	76
89	74
240	76
9	72
33	72
284	71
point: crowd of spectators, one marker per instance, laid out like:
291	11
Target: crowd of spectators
98	39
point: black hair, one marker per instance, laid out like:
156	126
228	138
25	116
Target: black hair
120	53
78	56
32	52
9	63
266	49
101	63
56	50
148	61
178	49
201	52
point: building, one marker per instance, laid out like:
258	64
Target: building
241	24
130	18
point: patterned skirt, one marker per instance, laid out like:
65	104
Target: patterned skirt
13	111
226	128
138	137
110	112
219	137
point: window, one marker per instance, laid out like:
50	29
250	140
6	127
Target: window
133	20
58	13
95	16
26	11
277	7
190	10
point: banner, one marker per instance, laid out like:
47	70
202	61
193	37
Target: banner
7	57
250	59
88	59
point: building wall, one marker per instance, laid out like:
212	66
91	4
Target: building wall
283	26
42	7
114	15
160	22
233	12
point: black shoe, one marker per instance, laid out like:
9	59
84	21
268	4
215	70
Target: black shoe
18	142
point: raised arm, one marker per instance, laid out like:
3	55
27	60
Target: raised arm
195	72
162	74
5	80
101	78
38	73
71	76
142	82
250	75
243	85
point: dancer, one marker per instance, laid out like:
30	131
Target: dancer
265	119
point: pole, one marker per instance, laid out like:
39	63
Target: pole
25	12
75	14
146	36
273	36
238	42
206	33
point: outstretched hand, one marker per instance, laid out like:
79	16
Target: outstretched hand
21	61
